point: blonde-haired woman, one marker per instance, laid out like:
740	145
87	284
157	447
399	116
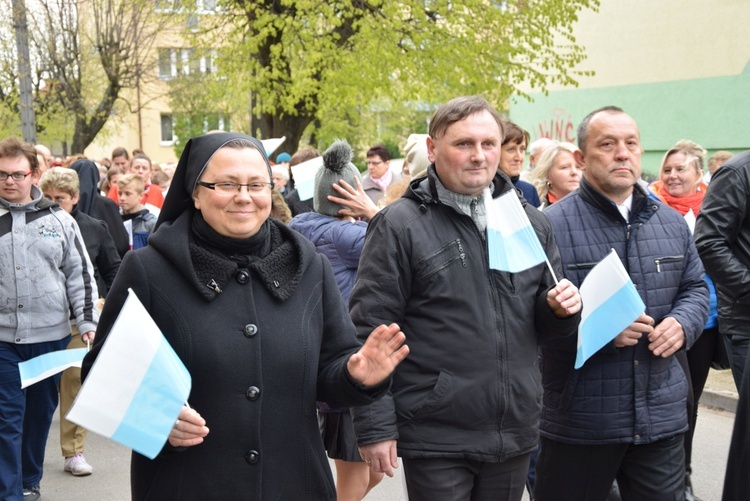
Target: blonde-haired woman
556	173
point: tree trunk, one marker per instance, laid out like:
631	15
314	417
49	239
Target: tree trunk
290	126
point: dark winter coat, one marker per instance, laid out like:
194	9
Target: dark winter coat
260	353
102	252
340	241
623	395
262	341
470	387
528	190
722	236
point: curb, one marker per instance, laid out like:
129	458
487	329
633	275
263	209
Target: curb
718	399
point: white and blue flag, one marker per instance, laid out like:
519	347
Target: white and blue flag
610	304
41	367
136	387
512	242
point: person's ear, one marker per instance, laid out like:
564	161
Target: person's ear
430	149
579	158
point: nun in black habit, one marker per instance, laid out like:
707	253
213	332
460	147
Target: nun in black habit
92	203
255	315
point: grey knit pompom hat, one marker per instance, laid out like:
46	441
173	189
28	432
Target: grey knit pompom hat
337	165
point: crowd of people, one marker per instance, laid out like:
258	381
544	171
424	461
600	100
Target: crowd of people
293	313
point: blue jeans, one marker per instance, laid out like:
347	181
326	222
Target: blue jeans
25	418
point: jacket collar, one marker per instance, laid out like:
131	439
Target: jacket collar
280	271
607	206
424	190
38	202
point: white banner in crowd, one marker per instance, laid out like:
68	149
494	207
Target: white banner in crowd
304	177
272	144
136	387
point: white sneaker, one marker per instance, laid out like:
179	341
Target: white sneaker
78	466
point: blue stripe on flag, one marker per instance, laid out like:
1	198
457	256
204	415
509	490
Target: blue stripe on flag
514	252
608	320
164	390
62	359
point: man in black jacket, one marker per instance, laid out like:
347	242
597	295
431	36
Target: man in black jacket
465	405
722	236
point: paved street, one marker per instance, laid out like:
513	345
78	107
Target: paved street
110	480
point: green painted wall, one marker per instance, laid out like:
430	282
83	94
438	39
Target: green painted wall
714	112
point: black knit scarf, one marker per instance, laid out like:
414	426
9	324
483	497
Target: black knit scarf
217	258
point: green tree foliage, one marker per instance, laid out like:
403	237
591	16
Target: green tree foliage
84	55
327	66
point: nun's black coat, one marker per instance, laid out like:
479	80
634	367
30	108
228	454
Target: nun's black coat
260	352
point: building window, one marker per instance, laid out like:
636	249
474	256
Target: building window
174	62
167	128
193	22
165	64
169	6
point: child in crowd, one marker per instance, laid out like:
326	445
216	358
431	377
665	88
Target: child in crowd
152	193
139	222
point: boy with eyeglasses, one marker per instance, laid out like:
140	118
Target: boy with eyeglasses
138	220
46	275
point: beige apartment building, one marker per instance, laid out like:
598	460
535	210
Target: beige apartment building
151	127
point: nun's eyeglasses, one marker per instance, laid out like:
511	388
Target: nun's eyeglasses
232	188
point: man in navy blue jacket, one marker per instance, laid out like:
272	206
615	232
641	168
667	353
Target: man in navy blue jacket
622	415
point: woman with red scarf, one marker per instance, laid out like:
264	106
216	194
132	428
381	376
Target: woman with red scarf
681	186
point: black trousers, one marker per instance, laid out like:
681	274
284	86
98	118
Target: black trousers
737	480
653	472
740	349
445	479
699	358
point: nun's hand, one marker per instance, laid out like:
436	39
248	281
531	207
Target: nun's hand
189	429
381	353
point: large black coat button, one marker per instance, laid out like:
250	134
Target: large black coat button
252	457
251	330
252	393
243	277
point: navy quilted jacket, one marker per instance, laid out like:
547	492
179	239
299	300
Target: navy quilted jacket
623	395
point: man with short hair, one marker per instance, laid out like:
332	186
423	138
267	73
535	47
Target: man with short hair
622	415
536	148
379	174
464	407
46	276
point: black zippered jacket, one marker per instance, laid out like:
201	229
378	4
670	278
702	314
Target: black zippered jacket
722	236
470	387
